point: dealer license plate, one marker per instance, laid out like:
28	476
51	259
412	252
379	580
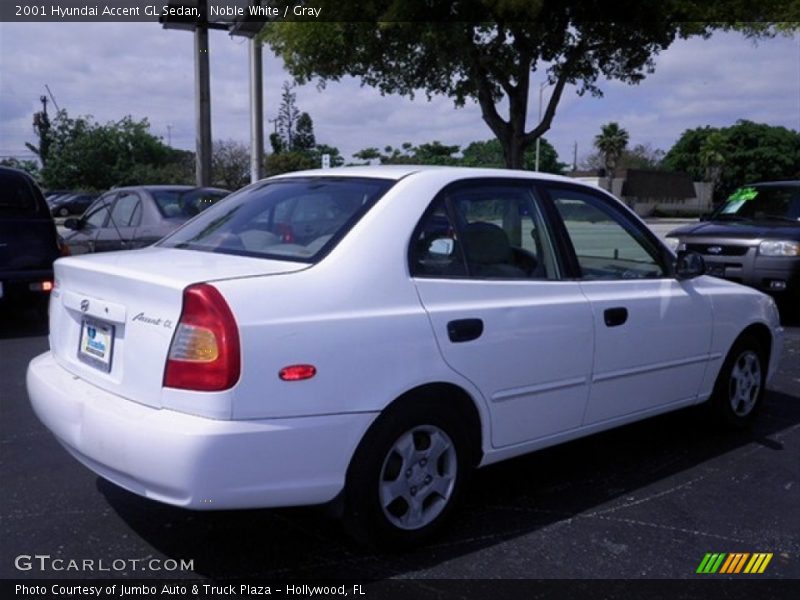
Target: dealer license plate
96	344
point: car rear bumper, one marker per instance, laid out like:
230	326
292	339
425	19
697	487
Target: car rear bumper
191	461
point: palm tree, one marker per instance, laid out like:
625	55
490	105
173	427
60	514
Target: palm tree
611	142
712	157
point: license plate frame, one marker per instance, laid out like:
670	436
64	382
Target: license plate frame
96	344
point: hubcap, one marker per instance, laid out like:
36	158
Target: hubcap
417	477
745	383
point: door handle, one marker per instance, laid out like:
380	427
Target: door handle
464	330
615	316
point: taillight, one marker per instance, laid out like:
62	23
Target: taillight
204	354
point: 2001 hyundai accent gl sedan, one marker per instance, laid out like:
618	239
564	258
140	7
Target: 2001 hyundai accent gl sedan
368	335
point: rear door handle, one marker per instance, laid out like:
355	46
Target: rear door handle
464	330
615	316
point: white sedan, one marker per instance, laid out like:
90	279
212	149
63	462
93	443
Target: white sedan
365	337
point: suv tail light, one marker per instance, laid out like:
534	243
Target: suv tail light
204	354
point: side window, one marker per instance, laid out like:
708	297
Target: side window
486	231
97	214
124	209
606	246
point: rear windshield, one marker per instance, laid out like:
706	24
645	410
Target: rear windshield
185	203
777	203
17	195
290	219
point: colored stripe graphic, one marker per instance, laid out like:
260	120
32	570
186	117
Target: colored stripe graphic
729	564
711	563
734	563
758	563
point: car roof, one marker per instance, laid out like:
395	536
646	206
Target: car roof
155	188
397	172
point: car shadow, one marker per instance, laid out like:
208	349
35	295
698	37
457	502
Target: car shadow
501	503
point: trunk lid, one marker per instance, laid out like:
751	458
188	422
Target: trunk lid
113	315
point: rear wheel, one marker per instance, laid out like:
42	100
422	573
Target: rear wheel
739	389
406	475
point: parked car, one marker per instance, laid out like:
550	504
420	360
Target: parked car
134	217
72	204
421	321
753	238
28	241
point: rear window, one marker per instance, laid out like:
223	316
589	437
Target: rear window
185	204
291	219
17	195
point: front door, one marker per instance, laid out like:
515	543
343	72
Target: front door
652	332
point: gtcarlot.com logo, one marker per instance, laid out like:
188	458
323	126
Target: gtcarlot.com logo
734	563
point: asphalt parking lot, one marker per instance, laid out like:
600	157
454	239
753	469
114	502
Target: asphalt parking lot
645	501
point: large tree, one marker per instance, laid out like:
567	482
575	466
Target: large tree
489	50
749	152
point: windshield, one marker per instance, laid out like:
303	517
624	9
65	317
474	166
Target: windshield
291	219
182	203
754	203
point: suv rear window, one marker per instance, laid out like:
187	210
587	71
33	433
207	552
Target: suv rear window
299	219
17	195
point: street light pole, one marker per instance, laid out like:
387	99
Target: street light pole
538	139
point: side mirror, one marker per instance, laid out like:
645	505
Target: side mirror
73	223
689	265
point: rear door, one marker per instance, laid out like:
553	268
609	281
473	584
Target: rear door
652	332
488	276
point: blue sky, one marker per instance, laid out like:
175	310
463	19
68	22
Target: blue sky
114	69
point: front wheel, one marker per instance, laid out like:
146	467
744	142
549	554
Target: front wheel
406	475
739	389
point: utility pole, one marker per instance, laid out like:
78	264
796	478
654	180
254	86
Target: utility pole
202	94
256	111
169	134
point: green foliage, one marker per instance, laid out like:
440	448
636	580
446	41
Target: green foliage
490	154
487	50
87	155
304	139
744	153
285	162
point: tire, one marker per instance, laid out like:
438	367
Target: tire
406	475
739	389
63	212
